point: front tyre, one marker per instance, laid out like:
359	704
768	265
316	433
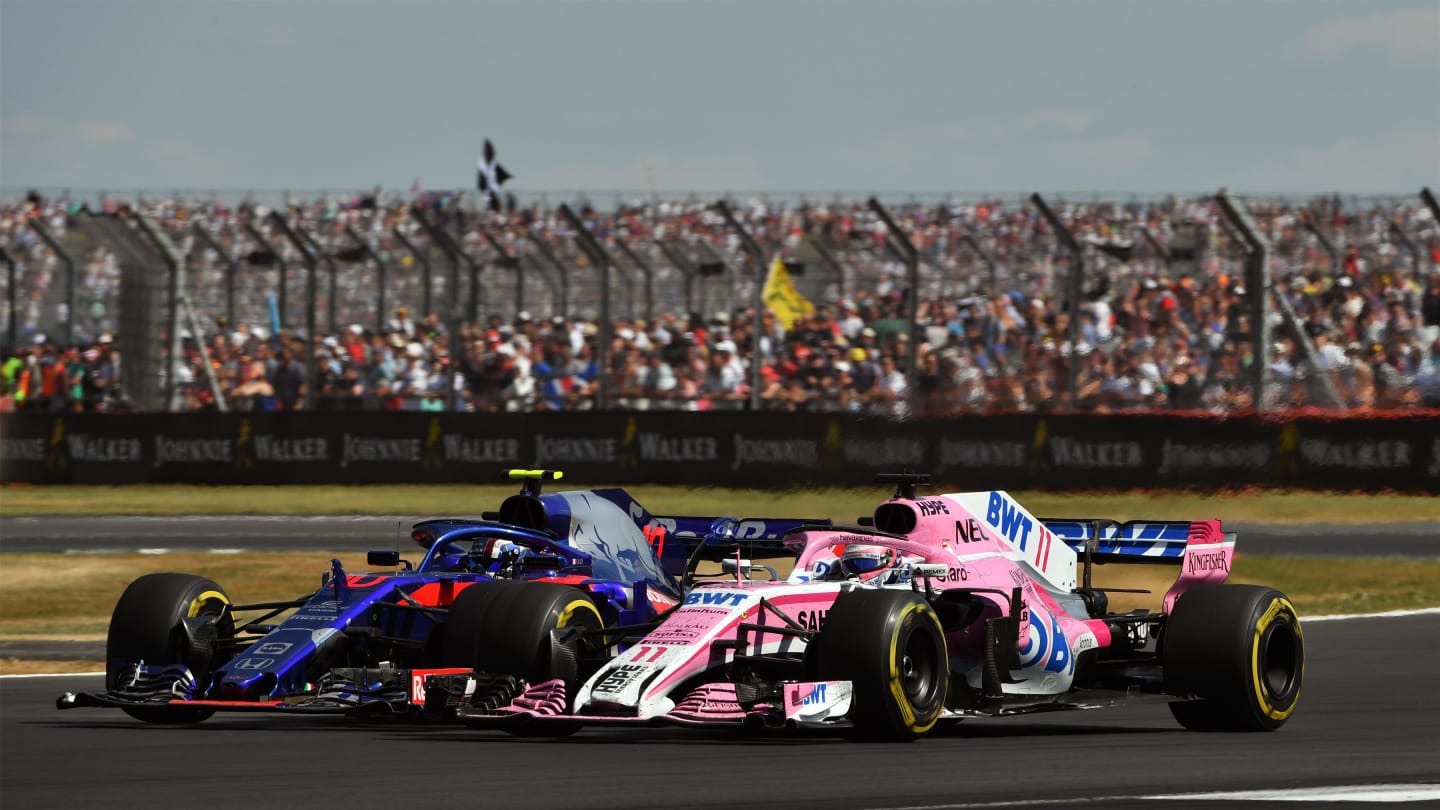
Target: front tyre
148	625
506	631
1238	653
890	646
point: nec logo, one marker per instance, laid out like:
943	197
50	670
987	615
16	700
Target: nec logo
1002	512
969	531
932	507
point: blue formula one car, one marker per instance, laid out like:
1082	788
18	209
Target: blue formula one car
179	650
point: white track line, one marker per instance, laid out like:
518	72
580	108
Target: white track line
1370	794
1389	614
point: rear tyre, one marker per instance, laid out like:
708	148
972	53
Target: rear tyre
506	632
1237	653
147	626
890	646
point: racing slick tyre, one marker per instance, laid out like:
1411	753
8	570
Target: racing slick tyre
890	646
506	632
468	614
148	625
1238	650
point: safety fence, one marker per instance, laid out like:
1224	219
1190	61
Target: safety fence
1057	451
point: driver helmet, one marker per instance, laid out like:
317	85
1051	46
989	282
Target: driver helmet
866	562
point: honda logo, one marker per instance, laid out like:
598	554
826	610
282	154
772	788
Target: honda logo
254	663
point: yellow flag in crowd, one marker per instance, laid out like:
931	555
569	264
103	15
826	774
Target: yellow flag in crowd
782	298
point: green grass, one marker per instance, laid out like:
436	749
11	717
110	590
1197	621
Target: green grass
1249	506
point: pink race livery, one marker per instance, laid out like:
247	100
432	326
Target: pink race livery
932	610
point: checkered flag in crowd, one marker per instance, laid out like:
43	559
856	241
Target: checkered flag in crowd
490	176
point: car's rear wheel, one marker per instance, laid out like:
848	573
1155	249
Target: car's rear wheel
1237	654
506	631
148	625
891	647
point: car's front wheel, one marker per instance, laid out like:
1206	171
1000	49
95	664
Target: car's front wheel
890	646
504	629
148	625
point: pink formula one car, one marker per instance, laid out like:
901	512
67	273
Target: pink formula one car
934	610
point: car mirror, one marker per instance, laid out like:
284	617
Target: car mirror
384	558
730	566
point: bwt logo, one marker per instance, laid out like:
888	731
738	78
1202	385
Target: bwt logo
715	598
1002	512
816	697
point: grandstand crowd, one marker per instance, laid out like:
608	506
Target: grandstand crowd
1157	332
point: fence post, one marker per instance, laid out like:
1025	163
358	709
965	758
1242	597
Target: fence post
261	241
380	270
1429	199
969	239
549	255
1412	248
452	321
601	259
649	277
1157	247
704	271
507	259
322	254
830	261
311	290
1076	285
69	263
179	299
12	330
1335	266
1257	275
757	301
425	282
231	268
172	324
903	248
442	237
686	268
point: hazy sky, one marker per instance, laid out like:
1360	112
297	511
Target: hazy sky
1159	95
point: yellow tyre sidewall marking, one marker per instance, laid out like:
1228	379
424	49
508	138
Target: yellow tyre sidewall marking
199	602
1276	605
896	688
575	606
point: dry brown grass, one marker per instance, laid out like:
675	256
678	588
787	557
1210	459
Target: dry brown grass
71	595
19	666
1242	505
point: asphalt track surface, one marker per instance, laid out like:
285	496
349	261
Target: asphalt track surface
1368	715
338	533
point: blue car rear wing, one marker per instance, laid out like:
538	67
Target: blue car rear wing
1138	541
